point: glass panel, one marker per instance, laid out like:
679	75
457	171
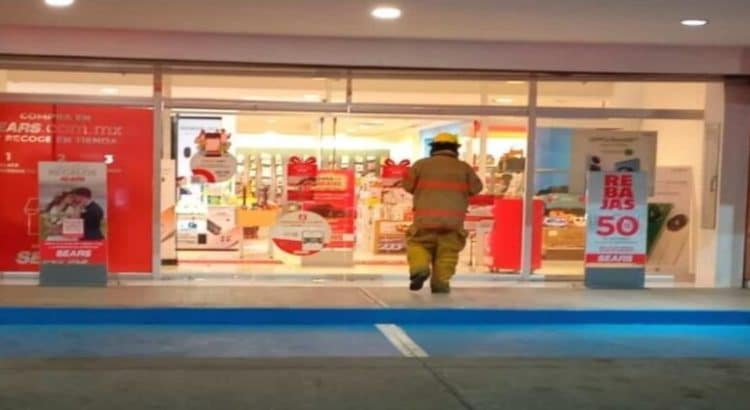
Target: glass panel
674	206
76	83
265	145
439	92
504	175
610	94
258	88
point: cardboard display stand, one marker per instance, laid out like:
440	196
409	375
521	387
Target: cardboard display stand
73	224
617	223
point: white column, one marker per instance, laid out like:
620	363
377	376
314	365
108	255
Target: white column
158	108
166	120
528	194
733	184
483	135
483	131
471	137
705	243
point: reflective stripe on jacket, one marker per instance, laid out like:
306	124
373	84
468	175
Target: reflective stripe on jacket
441	185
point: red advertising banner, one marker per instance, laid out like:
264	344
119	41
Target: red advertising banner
334	200
119	137
617	219
300	178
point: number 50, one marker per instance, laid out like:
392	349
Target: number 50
624	225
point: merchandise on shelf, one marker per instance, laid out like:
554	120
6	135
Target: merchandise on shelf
508	177
564	226
394	208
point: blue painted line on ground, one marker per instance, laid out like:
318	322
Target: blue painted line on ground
602	341
359	316
214	341
192	341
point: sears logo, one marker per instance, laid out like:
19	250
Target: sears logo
73	253
26	127
27	258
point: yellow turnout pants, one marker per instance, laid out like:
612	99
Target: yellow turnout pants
435	253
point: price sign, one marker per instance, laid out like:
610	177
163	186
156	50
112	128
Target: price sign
616	209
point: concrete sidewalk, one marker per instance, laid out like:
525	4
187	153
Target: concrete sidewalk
352	297
377	384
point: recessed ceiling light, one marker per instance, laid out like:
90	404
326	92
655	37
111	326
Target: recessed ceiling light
386	13
694	22
503	100
110	91
514	82
59	3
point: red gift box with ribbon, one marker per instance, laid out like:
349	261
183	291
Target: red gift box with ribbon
300	178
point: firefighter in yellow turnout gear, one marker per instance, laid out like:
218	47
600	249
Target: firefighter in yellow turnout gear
441	185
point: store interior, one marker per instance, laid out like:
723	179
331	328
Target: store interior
265	143
226	227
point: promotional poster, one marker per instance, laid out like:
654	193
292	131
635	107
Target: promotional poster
611	151
334	200
670	222
213	162
616	219
72	217
187	129
117	137
301	233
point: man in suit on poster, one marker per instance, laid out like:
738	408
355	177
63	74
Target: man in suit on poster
91	213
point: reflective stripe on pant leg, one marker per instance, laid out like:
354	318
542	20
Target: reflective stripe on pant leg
420	248
449	246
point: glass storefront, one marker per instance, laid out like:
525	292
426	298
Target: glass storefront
281	128
267	147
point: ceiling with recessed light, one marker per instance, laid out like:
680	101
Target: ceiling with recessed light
590	21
